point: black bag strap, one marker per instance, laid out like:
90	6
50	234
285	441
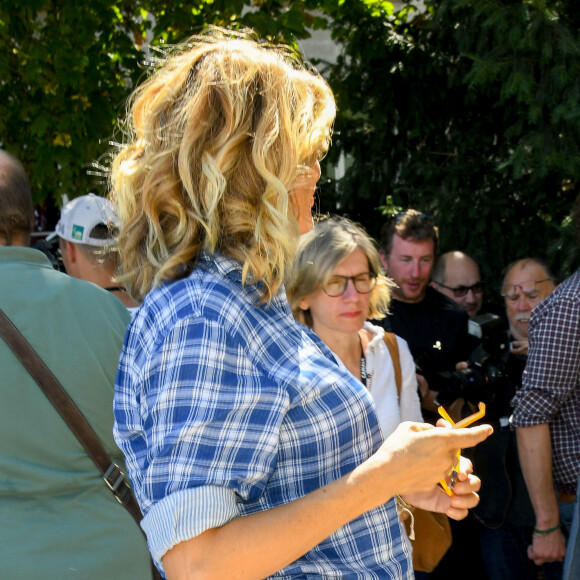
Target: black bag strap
56	394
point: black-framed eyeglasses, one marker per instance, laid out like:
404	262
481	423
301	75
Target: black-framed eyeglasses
461	291
528	287
363	284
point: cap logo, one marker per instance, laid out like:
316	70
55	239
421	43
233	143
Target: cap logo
77	232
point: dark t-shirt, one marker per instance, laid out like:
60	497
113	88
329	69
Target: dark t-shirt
435	329
504	496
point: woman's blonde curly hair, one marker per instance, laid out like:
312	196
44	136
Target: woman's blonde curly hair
217	137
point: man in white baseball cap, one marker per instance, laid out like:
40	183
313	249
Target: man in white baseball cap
90	220
87	232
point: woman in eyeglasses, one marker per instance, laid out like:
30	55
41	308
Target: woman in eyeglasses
336	285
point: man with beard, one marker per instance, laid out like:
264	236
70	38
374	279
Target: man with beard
526	283
434	326
436	329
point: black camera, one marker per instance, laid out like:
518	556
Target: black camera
487	375
51	250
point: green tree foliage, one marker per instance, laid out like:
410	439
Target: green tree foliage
64	71
469	111
67	68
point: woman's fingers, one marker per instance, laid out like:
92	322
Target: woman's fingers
469	437
471	484
422	454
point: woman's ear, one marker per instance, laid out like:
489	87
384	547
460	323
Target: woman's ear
303	304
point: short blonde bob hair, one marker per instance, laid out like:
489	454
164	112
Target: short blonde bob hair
320	251
217	137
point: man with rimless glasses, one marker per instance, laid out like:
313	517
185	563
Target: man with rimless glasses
505	510
457	276
526	283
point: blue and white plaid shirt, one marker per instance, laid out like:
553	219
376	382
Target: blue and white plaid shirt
224	408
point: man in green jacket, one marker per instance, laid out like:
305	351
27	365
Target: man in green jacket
58	517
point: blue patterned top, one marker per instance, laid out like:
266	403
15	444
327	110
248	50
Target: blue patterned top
225	407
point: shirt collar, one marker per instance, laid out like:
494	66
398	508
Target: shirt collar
227	267
24	254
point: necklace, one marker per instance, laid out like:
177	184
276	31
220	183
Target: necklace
363	364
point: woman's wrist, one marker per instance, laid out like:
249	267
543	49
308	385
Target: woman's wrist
369	478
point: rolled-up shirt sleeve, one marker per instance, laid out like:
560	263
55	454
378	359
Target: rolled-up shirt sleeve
553	365
186	514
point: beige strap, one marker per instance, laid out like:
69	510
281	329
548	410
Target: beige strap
391	342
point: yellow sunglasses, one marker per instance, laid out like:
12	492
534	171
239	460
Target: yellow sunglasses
448	487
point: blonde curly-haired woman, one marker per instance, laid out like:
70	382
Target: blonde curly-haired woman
251	452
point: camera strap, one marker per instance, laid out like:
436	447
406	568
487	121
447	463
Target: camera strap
76	421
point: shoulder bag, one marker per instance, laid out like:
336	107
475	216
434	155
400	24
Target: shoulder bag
432	529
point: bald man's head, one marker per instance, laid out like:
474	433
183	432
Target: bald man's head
457	276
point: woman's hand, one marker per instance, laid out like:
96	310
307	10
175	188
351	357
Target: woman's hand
421	455
456	507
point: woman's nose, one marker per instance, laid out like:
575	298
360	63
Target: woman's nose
350	291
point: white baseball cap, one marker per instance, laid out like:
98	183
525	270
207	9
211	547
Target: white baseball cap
79	218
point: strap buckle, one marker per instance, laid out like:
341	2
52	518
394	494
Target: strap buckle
117	483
